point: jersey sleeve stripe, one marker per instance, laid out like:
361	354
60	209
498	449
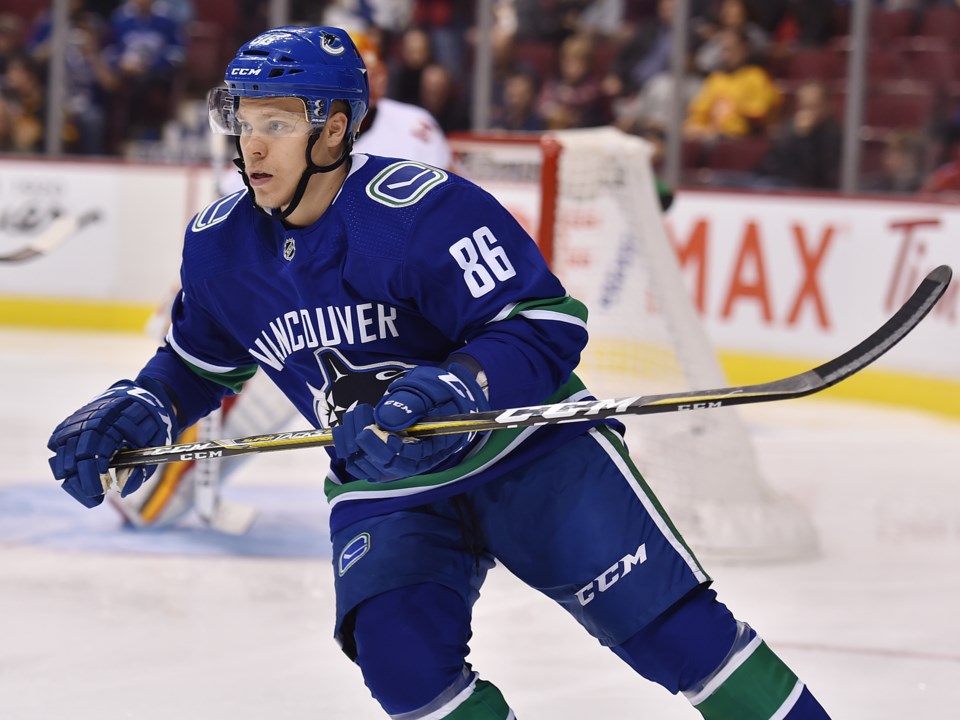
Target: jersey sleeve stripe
554	316
197	362
572	309
506	312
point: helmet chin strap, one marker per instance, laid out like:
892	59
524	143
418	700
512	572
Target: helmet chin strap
312	169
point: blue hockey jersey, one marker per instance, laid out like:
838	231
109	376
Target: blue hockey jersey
409	265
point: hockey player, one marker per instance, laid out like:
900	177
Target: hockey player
390	128
376	292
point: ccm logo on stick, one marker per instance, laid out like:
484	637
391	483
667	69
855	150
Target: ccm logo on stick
700	406
201	455
612	574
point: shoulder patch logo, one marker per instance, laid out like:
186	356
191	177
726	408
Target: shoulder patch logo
352	552
216	212
404	183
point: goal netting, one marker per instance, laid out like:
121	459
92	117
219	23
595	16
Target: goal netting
590	199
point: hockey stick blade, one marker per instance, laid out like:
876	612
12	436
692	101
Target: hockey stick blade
59	231
819	378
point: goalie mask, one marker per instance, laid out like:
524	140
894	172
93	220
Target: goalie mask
318	66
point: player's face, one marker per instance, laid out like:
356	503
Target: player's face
273	144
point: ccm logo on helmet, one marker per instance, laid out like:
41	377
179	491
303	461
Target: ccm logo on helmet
245	71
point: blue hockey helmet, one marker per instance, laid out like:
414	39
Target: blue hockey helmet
318	65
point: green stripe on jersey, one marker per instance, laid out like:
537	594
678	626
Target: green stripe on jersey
234	379
754	691
485	703
561	305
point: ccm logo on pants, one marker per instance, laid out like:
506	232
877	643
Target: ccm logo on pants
608	577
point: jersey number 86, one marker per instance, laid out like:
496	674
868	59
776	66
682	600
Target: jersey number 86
483	261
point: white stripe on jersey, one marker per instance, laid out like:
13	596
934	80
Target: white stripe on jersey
651	509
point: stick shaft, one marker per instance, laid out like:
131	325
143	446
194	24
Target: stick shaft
819	378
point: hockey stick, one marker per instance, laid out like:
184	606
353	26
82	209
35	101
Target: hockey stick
819	378
59	231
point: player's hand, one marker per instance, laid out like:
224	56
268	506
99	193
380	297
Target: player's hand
125	416
367	439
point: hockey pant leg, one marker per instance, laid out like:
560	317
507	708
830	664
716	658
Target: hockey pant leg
411	645
721	665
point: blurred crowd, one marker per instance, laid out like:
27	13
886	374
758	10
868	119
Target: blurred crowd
761	98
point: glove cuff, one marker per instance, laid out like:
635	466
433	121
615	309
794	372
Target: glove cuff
469	372
159	391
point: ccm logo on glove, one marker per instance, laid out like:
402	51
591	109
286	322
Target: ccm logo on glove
424	392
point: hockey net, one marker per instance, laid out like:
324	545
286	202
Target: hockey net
589	198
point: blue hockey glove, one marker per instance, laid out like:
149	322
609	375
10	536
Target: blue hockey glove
424	392
125	416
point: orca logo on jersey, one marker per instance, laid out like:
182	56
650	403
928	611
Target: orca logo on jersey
346	385
404	183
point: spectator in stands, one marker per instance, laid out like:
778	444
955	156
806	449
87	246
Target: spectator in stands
735	101
553	21
415	54
440	96
146	50
787	22
768	14
648	112
180	11
816	21
900	165
38	44
6	127
600	19
517	112
10	38
391	16
573	98
646	54
805	152
89	78
446	22
393	128
23	93
733	16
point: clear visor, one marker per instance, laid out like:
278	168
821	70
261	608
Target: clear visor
261	116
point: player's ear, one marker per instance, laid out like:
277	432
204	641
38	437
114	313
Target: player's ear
337	127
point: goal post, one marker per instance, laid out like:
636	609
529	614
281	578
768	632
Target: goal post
589	198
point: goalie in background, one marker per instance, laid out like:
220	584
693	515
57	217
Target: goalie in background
390	128
376	293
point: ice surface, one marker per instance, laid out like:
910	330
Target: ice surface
97	623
